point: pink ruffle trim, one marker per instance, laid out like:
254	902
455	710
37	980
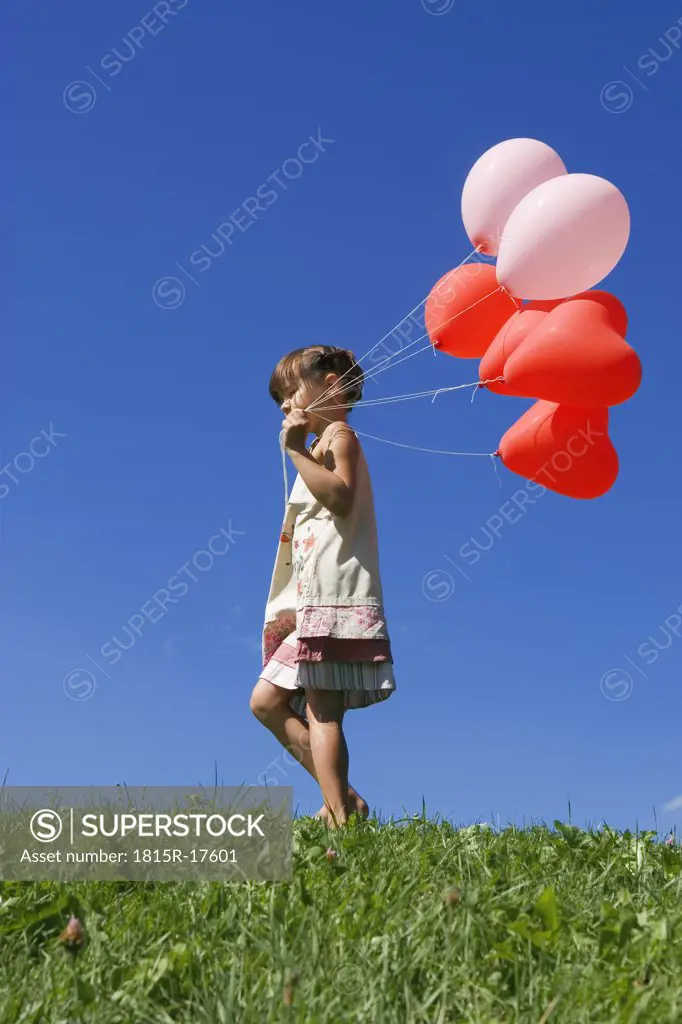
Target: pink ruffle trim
333	648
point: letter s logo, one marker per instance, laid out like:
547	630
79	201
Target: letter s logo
79	97
46	825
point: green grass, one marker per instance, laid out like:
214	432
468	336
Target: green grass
412	922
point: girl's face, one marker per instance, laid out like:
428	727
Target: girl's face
306	393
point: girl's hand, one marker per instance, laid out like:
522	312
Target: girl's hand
296	429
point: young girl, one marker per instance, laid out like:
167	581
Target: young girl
326	646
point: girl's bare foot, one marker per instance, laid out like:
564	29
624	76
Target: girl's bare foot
358	805
355	805
338	822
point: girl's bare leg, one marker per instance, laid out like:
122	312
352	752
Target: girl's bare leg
270	705
329	750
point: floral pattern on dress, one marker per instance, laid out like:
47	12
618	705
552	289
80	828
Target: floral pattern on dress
275	632
357	621
302	549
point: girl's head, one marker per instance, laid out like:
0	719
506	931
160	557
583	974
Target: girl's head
303	376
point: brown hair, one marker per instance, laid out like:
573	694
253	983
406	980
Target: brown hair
313	363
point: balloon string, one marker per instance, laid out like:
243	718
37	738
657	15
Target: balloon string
518	304
399	444
434	345
430	344
390	399
388	334
494	456
412	447
371	376
335	390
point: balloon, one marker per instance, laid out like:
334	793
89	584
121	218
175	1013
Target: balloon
498	181
562	448
564	237
506	341
466	309
575	357
543	305
617	314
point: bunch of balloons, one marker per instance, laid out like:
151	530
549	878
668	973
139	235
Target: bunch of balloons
534	319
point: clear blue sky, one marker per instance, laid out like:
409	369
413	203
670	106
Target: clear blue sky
170	435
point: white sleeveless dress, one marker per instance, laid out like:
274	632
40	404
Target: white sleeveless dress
326	584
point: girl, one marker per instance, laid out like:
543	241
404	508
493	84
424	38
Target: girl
326	646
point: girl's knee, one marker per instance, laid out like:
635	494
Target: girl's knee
259	703
265	700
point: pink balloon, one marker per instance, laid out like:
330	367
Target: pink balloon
497	183
564	237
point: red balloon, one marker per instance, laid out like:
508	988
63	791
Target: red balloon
615	308
507	340
466	309
564	449
574	357
543	305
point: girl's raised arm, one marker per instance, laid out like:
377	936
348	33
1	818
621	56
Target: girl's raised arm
333	481
341	456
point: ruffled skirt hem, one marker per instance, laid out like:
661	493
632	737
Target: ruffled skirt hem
364	682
